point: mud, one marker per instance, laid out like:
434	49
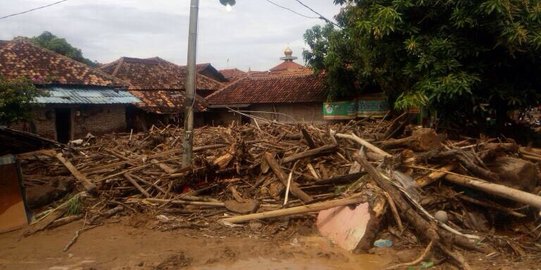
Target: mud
120	246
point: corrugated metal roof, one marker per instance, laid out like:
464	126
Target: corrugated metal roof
69	95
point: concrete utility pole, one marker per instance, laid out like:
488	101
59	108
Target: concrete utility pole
187	143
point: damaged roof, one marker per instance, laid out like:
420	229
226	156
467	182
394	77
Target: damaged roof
155	74
17	142
166	101
272	89
210	71
233	74
159	84
21	58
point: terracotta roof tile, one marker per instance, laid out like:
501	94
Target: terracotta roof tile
21	58
158	83
155	73
233	74
211	72
165	101
289	66
272	89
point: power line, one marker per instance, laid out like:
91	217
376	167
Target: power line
319	14
33	9
286	8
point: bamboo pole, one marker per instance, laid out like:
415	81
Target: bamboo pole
293	210
364	143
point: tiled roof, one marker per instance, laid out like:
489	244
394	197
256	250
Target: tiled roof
210	71
155	73
159	84
272	89
289	66
70	95
233	74
21	58
165	101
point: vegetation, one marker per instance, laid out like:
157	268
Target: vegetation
16	98
60	45
465	59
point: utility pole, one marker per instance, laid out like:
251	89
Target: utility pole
187	143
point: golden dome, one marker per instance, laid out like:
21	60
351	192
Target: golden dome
288	51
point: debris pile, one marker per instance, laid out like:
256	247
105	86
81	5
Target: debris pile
411	184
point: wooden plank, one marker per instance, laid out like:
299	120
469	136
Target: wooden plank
87	184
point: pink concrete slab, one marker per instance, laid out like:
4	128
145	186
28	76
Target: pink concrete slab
344	225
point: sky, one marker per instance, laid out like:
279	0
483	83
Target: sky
253	35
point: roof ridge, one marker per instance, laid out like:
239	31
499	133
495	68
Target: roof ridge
28	42
225	87
118	65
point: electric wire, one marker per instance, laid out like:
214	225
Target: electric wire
33	9
291	10
319	14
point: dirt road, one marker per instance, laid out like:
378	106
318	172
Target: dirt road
121	246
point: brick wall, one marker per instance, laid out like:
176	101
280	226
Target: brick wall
98	119
42	123
95	119
290	113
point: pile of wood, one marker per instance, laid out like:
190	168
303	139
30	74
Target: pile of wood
452	194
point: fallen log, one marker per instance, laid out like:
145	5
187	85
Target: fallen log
491	205
292	211
283	178
515	172
312	152
341	179
422	226
89	186
136	185
364	143
422	139
308	138
495	189
166	168
434	176
185	202
63	221
222	161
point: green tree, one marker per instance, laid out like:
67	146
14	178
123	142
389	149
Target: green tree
16	97
464	59
60	45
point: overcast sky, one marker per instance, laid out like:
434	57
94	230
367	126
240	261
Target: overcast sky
252	35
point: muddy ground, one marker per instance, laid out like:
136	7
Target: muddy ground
130	243
119	244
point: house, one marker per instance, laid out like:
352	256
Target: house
76	100
211	72
159	85
232	74
288	92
